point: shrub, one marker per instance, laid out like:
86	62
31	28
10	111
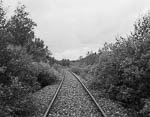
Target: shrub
19	49
57	67
94	85
123	67
76	70
15	100
46	78
45	74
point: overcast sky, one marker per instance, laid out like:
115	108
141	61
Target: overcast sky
70	28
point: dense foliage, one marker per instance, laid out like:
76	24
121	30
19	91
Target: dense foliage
64	62
123	68
24	64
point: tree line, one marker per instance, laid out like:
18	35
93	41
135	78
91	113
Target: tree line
25	63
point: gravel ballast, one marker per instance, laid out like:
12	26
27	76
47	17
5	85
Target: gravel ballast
112	109
43	97
73	101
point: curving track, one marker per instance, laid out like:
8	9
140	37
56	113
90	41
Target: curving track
72	99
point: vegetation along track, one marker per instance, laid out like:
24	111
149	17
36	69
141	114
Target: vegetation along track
72	99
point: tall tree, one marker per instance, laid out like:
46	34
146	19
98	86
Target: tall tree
21	27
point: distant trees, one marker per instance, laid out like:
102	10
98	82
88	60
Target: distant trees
90	59
81	57
52	60
65	62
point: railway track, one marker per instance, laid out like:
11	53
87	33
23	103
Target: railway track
58	95
54	97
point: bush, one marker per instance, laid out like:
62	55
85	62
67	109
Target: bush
19	70
57	67
76	70
123	67
15	100
145	112
46	75
94	85
47	78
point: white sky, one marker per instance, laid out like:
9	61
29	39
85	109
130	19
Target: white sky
72	27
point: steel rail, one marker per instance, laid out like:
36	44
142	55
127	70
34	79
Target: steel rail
54	97
101	110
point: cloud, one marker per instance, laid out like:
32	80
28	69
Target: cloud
70	26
